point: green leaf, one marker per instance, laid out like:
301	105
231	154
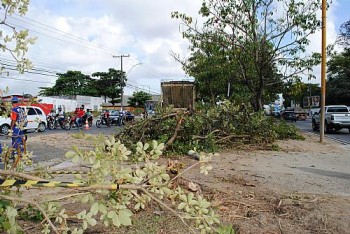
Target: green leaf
111	214
75	159
102	208
70	154
124	217
146	146
91	221
94	208
181	205
115	220
85	199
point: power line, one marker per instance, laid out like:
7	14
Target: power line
74	37
147	68
23	79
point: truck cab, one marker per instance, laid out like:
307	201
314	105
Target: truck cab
337	117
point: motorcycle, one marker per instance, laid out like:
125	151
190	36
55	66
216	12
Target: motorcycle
73	124
103	120
53	122
89	119
50	122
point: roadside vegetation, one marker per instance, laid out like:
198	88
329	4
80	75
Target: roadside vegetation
209	128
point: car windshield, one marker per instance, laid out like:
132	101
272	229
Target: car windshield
338	109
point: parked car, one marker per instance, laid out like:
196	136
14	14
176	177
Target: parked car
35	116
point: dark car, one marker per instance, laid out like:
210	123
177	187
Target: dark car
289	115
129	116
117	117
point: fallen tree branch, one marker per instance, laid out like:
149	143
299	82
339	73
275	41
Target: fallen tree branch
172	139
168	208
20	175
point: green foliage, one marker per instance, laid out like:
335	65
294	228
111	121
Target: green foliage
226	230
111	83
208	129
287	131
71	83
8	217
118	183
31	213
338	82
247	44
138	99
15	43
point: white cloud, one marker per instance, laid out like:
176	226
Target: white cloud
143	29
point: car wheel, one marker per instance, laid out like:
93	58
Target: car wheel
5	129
41	127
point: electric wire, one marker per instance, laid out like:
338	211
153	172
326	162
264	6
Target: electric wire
147	68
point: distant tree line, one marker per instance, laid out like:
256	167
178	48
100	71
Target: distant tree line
107	84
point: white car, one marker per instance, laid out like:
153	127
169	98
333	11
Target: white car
35	116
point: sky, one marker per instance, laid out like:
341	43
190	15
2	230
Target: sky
89	35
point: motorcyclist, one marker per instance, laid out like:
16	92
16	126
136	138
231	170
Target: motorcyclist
80	113
105	115
88	115
60	115
52	113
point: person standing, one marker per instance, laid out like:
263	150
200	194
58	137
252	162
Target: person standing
18	123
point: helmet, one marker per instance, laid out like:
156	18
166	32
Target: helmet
14	99
59	108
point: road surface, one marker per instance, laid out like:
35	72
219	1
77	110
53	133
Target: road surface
342	136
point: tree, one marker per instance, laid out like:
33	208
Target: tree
298	90
138	99
71	83
264	46
16	43
338	78
344	34
111	84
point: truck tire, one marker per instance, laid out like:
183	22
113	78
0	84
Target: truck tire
327	128
315	127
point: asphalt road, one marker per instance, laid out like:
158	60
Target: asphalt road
52	154
342	136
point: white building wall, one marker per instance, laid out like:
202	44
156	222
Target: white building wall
68	105
93	103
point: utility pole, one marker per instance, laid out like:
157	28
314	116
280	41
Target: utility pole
121	69
323	71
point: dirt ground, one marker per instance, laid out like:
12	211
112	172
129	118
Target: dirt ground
304	187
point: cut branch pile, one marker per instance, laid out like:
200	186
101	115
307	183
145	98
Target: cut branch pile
207	129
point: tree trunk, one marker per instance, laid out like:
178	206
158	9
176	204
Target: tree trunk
257	102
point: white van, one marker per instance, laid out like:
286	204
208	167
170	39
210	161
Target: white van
35	116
